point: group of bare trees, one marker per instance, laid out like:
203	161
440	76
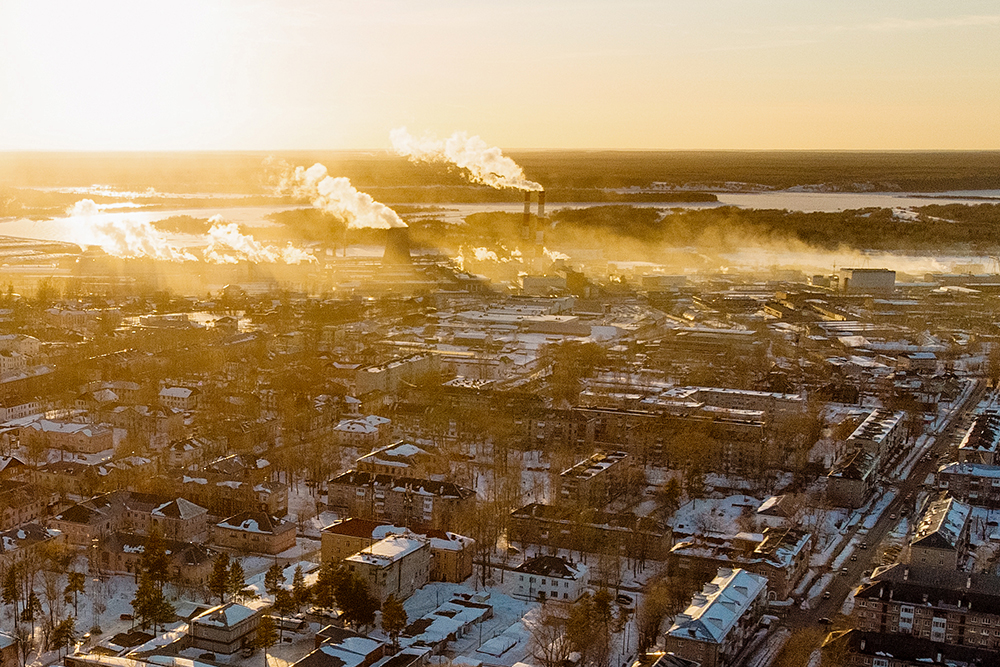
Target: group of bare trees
35	588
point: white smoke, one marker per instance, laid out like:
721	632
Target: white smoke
554	255
339	197
122	237
130	238
483	163
227	245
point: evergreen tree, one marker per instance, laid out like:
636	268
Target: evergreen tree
266	635
76	583
150	604
274	578
236	582
353	598
300	592
322	591
284	605
154	559
64	633
11	591
218	580
393	619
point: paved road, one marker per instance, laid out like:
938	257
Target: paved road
902	505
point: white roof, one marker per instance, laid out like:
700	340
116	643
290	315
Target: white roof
176	392
389	550
716	609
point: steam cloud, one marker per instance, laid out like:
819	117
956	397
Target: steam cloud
123	238
483	163
339	197
130	238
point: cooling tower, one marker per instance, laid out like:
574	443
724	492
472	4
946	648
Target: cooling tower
397	246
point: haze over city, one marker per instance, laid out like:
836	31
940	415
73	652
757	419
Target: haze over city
529	334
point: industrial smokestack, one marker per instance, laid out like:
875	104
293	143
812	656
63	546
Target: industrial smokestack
397	246
526	224
541	204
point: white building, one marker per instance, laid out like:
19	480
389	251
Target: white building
551	578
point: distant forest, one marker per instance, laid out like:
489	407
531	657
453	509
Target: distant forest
569	171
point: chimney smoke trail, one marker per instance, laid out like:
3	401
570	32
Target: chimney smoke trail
483	163
339	197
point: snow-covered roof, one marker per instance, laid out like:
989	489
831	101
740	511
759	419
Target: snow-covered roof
971	469
224	616
389	549
942	524
718	607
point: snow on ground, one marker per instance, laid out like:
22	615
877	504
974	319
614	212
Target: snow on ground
848	605
817	589
769	649
716	515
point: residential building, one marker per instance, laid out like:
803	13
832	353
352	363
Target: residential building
973	483
551	578
590	530
255	532
873	649
451	554
224	629
68	436
594	481
395	565
405	501
180	398
189	564
720	619
851	481
941	536
932	603
981	442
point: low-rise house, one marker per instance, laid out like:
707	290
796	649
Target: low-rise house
590	530
941	537
180	398
452	620
451	554
551	578
183	453
21	502
92	519
720	619
400	459
395	565
257	532
68	436
189	564
8	650
79	478
224	629
25	541
340	647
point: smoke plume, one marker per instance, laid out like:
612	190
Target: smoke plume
227	245
124	237
483	163
339	197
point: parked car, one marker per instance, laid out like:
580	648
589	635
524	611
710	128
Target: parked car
624	600
826	621
826	595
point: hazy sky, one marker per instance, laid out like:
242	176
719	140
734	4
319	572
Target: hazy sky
215	74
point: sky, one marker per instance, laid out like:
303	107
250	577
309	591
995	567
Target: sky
538	74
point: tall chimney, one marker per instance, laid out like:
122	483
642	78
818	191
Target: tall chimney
526	224
541	204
